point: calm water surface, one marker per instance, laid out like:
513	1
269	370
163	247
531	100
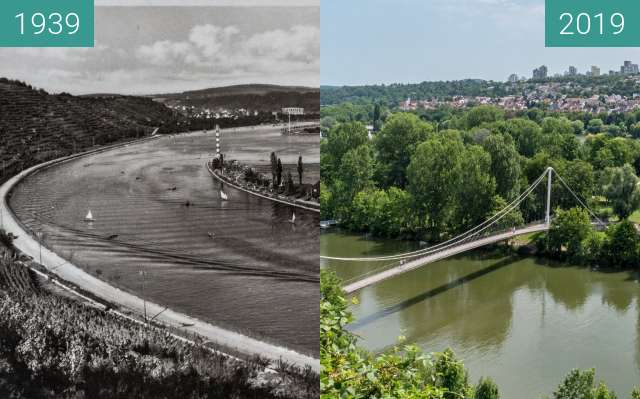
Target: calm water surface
525	322
239	264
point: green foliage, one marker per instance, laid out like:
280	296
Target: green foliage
396	143
486	389
527	135
568	231
504	164
451	374
340	140
580	384
383	212
620	186
621	249
480	115
576	385
450	183
326	202
417	182
403	372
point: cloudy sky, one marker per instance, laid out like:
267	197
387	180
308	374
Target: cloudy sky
145	50
386	41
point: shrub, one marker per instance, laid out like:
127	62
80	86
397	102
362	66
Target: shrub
486	389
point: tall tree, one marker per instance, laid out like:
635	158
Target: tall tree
396	143
568	231
620	186
476	116
340	139
434	177
279	172
274	168
355	174
300	170
527	135
376	117
505	164
474	197
621	249
288	184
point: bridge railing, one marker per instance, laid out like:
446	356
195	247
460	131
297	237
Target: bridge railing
466	240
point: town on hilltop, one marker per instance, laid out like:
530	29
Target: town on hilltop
568	92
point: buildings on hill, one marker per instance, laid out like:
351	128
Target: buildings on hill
540	73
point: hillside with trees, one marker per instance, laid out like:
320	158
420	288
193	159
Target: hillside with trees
393	94
36	126
262	98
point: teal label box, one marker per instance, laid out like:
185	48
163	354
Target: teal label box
46	23
592	23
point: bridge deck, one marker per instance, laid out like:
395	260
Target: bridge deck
414	264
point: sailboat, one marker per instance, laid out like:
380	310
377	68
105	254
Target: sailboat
89	217
223	195
293	218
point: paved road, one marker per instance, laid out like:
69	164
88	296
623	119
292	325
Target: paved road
414	264
69	272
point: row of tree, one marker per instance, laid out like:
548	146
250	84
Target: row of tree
573	238
444	90
425	179
276	170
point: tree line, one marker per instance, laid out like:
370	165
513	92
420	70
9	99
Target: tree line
392	94
432	179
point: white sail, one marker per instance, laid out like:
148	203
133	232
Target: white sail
223	195
89	217
293	218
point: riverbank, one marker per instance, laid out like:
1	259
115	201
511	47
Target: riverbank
525	321
72	273
234	181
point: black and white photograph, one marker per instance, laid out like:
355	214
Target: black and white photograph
160	204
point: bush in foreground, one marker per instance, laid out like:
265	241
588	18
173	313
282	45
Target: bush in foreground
405	372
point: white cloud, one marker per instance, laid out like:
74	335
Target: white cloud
164	52
225	50
204	54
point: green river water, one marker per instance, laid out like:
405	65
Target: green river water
523	321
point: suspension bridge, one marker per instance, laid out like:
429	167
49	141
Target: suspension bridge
488	232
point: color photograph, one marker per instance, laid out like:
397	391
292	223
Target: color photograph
479	203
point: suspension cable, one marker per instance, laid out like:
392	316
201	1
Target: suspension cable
577	198
446	244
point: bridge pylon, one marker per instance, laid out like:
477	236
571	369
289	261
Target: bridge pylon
547	218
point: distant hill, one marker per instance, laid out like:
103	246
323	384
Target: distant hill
393	93
36	126
255	97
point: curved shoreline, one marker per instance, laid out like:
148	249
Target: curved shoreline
296	203
57	265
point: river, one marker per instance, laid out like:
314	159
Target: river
162	232
525	322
